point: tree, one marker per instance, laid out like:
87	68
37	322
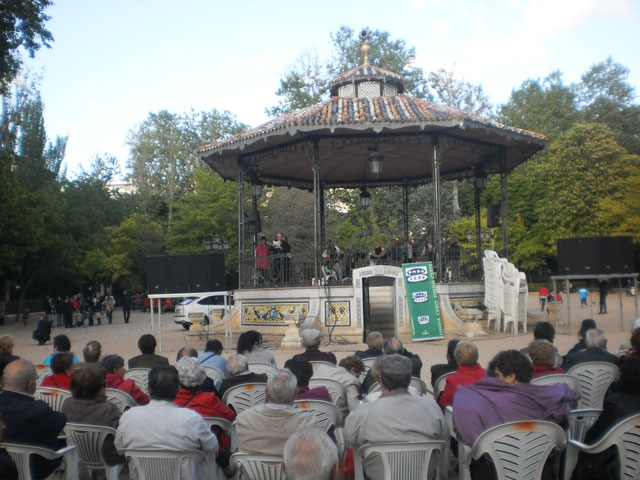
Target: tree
22	25
446	90
164	152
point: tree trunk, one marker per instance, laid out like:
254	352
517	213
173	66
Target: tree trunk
456	199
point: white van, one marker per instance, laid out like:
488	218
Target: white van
210	306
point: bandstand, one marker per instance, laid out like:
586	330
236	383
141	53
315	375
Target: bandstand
368	134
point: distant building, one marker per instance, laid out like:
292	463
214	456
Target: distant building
122	187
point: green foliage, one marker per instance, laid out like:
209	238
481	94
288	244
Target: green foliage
22	25
446	90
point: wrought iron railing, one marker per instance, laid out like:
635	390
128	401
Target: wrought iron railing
299	269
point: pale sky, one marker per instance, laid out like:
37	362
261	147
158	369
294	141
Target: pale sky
113	62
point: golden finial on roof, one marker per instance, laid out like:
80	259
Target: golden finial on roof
365	46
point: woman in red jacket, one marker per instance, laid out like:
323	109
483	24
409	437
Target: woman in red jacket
114	365
469	371
207	404
62	367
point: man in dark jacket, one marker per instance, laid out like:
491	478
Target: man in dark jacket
27	420
148	359
239	370
596	342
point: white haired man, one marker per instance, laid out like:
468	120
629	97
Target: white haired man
265	428
311	339
310	455
596	351
397	416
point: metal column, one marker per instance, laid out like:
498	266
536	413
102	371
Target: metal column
323	227
436	207
405	211
476	205
241	220
504	204
315	165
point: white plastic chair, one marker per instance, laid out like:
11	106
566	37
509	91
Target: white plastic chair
20	454
140	376
259	467
245	396
89	440
402	460
625	435
120	399
518	450
41	372
214	374
228	427
555	378
368	363
54	397
580	421
336	389
440	383
327	414
594	378
419	385
162	464
261	367
318	363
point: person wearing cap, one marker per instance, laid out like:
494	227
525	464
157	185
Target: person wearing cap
311	339
397	416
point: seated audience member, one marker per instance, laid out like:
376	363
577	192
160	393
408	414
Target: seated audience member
27	420
587	324
148	359
624	402
596	351
374	342
545	331
303	371
443	368
92	351
543	355
212	357
90	406
390	346
61	368
61	343
310	455
208	385
468	372
375	371
162	425
347	373
628	346
6	353
42	333
311	339
240	374
250	345
397	416
114	367
508	397
264	429
207	404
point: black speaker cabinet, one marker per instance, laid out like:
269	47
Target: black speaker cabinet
588	256
177	273
156	274
253	222
595	255
198	273
566	256
215	264
493	216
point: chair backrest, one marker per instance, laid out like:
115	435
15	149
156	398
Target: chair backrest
317	363
54	397
259	467
228	427
580	421
624	435
160	464
327	414
439	384
403	460
262	367
368	363
419	385
89	440
336	389
555	378
519	449
21	453
120	399
140	376
594	378
214	374
375	387
41	372
245	396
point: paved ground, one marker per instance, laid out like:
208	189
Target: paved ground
122	339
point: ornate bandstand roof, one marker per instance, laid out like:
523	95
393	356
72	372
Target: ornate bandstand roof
368	112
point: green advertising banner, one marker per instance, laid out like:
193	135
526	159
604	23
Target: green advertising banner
422	299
